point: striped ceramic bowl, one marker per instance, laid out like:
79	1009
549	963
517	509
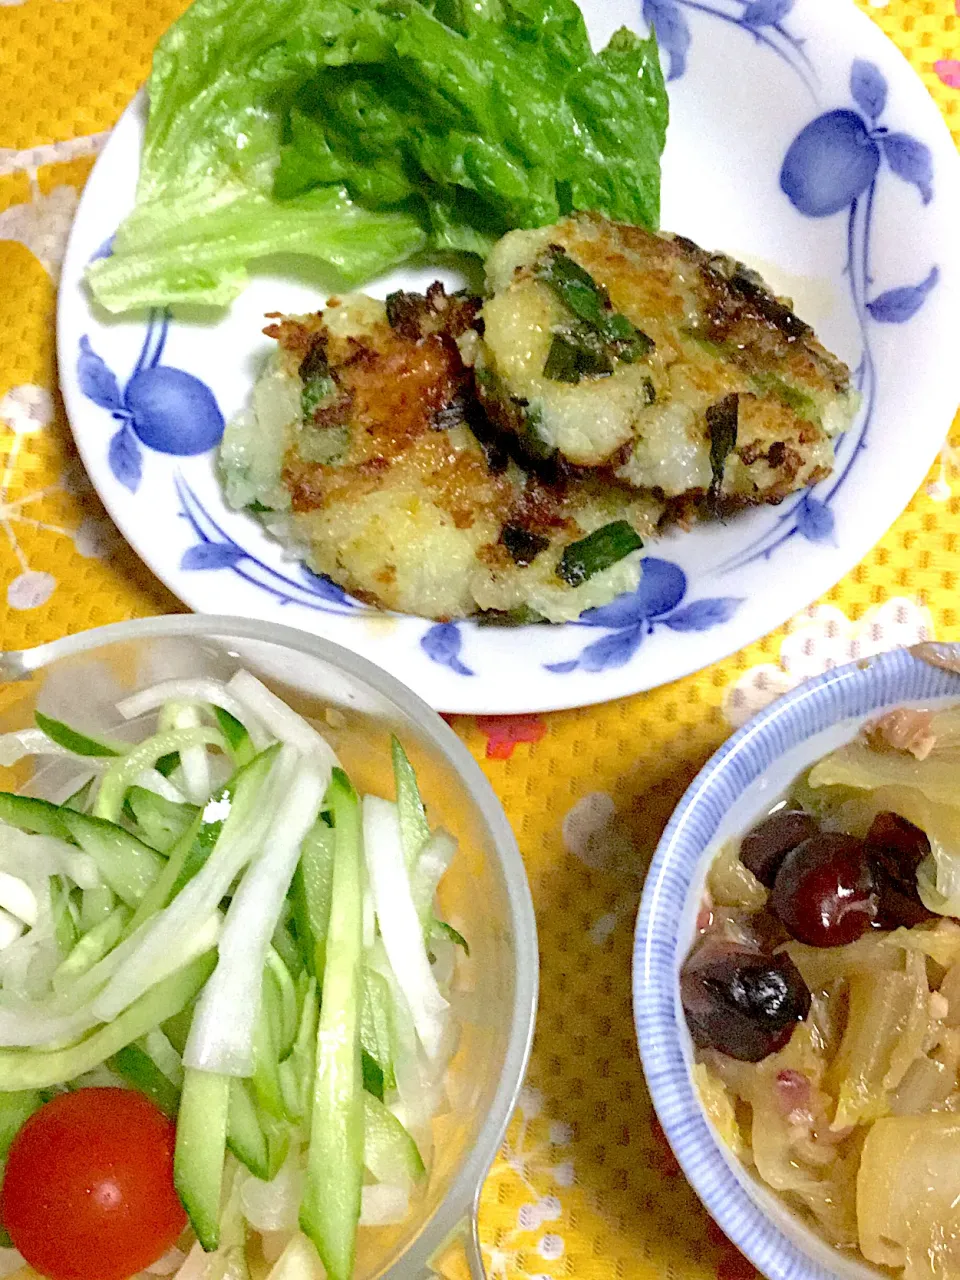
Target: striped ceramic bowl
736	786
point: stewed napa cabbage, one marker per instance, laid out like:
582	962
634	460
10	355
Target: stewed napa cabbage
823	995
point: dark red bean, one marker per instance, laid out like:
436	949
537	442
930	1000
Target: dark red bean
764	848
896	848
825	892
740	1002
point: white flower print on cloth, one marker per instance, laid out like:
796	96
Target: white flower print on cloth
27	410
531	1152
42	223
941	489
820	638
594	832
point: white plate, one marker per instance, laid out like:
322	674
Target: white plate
858	228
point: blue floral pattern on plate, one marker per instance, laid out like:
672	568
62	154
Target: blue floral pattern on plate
761	19
442	644
215	549
657	602
833	165
161	407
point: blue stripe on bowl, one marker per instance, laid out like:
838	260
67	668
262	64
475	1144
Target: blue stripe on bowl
850	692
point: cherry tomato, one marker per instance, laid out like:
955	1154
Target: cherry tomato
88	1190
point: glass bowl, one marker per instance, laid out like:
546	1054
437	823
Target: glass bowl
739	784
485	892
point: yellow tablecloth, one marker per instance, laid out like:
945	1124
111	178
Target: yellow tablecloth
585	1185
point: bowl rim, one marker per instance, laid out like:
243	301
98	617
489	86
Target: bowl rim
457	1209
844	693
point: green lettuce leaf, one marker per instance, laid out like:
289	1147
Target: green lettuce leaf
361	132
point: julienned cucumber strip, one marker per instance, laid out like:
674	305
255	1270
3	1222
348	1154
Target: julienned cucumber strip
286	943
166	764
91	948
79	743
283	1009
310	895
39	817
245	1137
198	851
376	1034
162	821
238	740
372	1076
33	1069
125	771
444	930
389	1152
64	917
259	1141
140	1070
297	1073
15	1110
127	865
186	857
161	891
330	1209
96	904
200	1151
414	828
266	1082
81	797
215	813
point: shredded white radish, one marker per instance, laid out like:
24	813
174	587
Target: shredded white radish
195	1264
29	1025
280	719
382	1205
168	1264
18	898
399	923
274	1206
35	857
129	982
10	1261
272	1245
369	918
164	1055
153	780
435	857
171	929
207	692
299	1261
10	929
73	1012
419	1081
194	761
34	742
221	1033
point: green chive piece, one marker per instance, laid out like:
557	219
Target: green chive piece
612	333
597	551
722	420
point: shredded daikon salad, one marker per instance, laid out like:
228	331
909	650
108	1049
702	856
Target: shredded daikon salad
217	919
823	996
